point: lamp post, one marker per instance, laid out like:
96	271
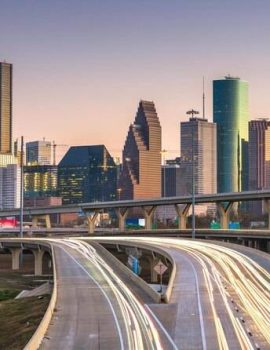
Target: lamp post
119	190
192	112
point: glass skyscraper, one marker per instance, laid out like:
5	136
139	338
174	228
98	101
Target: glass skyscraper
5	108
230	105
87	174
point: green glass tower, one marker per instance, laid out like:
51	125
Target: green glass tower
230	106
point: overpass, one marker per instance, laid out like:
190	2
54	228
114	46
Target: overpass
224	202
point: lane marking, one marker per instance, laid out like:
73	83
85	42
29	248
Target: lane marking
198	302
105	295
162	327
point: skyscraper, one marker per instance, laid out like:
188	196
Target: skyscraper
204	156
87	174
5	108
38	153
230	104
141	171
259	154
40	181
10	186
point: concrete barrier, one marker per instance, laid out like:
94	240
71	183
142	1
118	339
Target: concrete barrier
36	339
167	295
113	261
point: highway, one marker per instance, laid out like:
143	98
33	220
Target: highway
95	309
222	295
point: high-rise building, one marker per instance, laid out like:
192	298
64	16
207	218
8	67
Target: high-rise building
171	180
5	108
141	165
38	153
204	156
40	181
10	186
230	104
259	154
87	174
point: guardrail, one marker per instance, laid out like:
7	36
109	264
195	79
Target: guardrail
36	339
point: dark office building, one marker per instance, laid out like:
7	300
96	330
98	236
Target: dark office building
40	181
5	108
171	180
87	174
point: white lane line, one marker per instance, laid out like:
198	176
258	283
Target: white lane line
162	327
199	303
105	295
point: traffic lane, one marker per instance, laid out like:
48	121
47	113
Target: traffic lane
83	318
226	329
142	329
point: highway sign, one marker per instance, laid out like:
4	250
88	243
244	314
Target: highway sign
160	268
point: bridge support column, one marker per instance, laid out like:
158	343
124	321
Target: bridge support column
91	221
182	215
224	214
46	218
148	213
15	253
266	204
122	214
38	255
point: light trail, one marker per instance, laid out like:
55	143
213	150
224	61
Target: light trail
140	329
245	277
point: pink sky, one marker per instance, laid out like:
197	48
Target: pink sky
80	68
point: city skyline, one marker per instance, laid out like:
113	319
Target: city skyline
71	56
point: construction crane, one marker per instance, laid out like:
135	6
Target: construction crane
54	145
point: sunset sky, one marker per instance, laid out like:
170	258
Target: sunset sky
81	66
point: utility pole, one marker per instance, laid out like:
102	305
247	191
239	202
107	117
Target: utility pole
21	189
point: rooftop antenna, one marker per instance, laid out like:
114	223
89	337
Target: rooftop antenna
203	100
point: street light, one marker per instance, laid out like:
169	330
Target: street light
192	112
119	190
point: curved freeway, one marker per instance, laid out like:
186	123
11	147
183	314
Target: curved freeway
220	299
222	295
96	310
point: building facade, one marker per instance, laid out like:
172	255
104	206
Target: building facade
259	154
40	181
259	160
10	186
204	156
5	108
87	174
141	164
38	153
230	105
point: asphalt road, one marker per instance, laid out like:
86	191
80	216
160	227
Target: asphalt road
221	296
95	309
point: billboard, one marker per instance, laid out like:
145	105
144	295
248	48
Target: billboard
8	222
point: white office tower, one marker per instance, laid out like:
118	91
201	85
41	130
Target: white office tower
10	186
38	153
198	136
